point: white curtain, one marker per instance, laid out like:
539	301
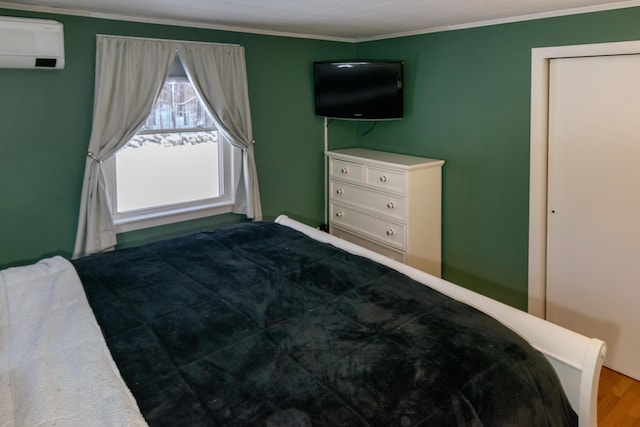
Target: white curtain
130	73
218	72
129	77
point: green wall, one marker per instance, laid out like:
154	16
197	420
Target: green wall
45	117
467	102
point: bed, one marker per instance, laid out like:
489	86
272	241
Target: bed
276	324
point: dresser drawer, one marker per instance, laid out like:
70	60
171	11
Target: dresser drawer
381	203
366	243
387	232
387	202
347	171
386	179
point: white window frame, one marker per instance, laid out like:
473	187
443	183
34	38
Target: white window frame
168	214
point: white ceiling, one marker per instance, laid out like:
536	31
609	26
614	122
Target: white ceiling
352	20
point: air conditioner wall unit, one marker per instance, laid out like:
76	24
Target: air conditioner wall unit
31	43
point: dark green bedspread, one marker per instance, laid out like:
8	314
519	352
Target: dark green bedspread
256	324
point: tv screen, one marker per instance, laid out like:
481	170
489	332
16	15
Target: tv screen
360	90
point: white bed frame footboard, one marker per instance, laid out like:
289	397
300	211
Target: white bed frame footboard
576	358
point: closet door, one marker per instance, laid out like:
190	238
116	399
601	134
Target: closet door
593	221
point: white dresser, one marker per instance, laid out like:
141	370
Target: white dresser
390	203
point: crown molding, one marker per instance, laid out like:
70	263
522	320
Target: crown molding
238	29
173	22
509	20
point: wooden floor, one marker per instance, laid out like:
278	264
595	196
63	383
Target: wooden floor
618	400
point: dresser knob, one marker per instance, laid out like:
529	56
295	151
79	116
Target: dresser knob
339	214
390	232
339	191
344	170
383	178
390	205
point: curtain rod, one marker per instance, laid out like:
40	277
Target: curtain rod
166	40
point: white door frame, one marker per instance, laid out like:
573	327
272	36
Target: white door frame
540	58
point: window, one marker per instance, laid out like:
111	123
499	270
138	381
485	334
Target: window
176	167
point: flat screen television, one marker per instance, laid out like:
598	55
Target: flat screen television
359	90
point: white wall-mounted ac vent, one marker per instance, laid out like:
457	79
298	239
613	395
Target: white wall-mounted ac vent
31	43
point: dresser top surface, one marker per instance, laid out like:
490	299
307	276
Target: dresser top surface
384	157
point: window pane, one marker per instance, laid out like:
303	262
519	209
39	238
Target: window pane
167	168
178	107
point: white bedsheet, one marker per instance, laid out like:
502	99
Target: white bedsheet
55	368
